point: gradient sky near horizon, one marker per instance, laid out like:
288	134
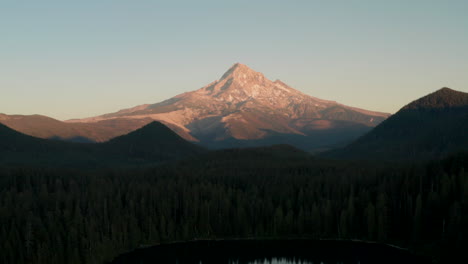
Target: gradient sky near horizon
75	59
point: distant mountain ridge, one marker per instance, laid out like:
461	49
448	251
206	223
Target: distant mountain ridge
48	128
430	127
243	107
151	144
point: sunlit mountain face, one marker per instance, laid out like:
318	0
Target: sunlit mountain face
243	107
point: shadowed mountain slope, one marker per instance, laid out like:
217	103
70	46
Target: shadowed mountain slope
153	140
151	144
430	127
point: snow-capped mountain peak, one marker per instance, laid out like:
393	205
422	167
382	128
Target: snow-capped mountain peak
241	72
244	104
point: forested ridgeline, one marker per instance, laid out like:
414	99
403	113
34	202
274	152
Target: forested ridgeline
71	216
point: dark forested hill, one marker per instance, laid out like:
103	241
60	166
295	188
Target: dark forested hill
12	140
150	144
152	140
430	127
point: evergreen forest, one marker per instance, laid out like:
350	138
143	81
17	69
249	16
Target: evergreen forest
58	215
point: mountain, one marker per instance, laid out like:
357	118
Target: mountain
17	148
152	140
11	140
148	145
244	108
49	128
430	127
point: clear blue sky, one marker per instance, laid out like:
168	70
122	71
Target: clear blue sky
71	59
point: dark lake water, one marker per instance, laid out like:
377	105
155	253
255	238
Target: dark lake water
298	251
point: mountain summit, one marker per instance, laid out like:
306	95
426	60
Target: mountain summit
244	107
442	98
239	83
239	71
152	140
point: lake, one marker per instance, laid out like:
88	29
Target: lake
289	251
